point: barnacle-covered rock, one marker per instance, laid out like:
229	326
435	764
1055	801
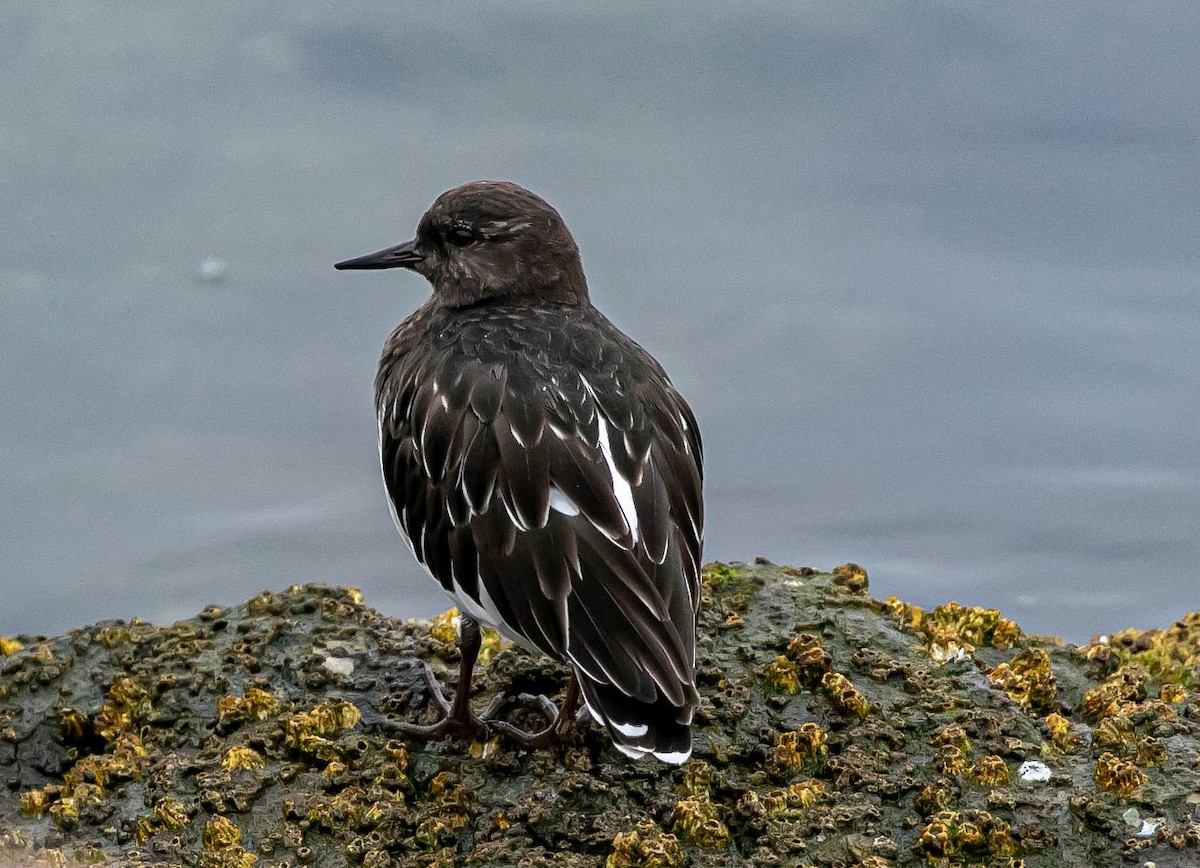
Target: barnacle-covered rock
833	730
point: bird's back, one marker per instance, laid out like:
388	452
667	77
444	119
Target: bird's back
548	475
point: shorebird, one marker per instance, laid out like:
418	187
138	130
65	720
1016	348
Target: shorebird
544	471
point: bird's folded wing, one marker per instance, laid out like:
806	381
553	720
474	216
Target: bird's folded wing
564	508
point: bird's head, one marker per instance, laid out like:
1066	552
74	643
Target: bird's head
490	240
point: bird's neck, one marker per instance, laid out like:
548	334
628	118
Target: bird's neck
564	285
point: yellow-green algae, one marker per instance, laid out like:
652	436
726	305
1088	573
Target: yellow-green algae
883	735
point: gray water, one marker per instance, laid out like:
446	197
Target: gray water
928	274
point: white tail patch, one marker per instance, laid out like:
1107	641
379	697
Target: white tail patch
674	758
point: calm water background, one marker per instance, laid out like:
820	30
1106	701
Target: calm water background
929	274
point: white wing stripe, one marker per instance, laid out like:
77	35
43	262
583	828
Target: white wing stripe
621	486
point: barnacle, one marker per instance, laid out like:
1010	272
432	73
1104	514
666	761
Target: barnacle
1114	733
697	775
222	847
850	576
805	794
1060	732
35	802
782	676
990	770
1150	751
172	814
952	735
1172	693
844	696
239	757
1115	775
931	800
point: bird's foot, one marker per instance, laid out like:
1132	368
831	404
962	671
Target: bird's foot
561	728
458	721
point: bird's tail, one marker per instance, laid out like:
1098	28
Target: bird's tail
657	728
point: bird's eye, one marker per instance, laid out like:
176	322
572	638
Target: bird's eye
460	236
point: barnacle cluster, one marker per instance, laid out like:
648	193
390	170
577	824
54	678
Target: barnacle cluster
951	630
805	794
222	847
953	750
311	732
1028	680
970	835
807	664
645	846
1171	655
1115	775
256	704
700	820
798	747
812	661
1126	685
83	785
128	705
716	574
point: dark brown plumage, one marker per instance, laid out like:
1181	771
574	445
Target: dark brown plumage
542	466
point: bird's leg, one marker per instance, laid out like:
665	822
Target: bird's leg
458	721
562	719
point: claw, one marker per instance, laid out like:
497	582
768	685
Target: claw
562	721
494	706
545	702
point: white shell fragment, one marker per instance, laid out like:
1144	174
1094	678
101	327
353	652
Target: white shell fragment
1033	772
339	665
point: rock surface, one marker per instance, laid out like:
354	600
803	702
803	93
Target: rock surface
835	730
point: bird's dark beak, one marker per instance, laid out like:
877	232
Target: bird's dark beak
401	256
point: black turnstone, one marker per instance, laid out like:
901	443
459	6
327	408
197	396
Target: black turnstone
544	470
